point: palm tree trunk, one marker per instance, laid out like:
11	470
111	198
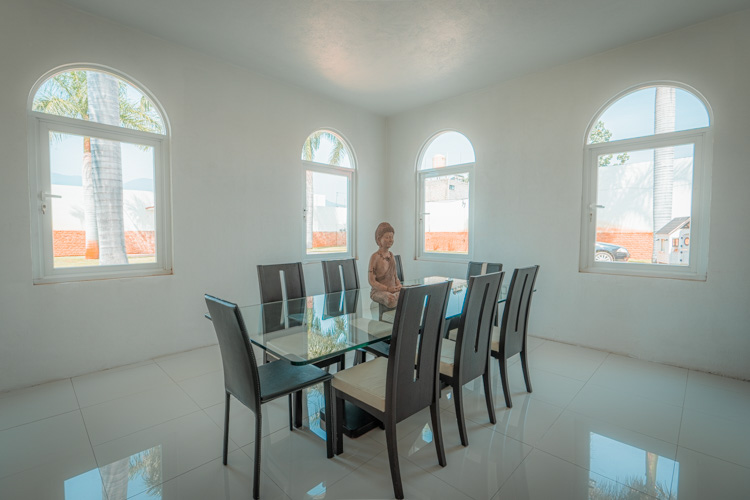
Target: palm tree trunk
89	207
664	121
106	162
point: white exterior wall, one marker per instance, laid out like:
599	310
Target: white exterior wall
528	135
223	225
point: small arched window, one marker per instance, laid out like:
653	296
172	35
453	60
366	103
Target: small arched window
329	166
445	171
99	177
647	184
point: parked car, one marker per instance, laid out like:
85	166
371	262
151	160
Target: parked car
607	252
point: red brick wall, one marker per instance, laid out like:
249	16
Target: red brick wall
446	242
73	243
329	239
639	244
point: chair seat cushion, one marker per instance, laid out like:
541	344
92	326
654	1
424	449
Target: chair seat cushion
453	334
495	343
447	357
280	378
365	382
379	349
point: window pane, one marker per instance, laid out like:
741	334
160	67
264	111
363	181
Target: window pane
98	97
446	214
324	146
105	213
644	202
449	148
635	115
327	212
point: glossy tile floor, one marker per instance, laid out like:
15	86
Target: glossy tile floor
597	426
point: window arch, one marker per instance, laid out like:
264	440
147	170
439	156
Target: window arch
329	166
99	177
445	168
647	184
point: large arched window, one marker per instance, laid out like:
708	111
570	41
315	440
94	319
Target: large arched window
445	171
647	184
99	177
329	167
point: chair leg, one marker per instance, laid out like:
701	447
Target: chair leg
226	427
330	424
339	424
488	395
342	364
437	433
458	400
525	367
359	356
258	436
291	412
390	439
298	409
504	379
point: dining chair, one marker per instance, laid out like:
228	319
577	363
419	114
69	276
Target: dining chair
509	338
340	275
468	357
394	388
399	268
479	268
254	385
280	281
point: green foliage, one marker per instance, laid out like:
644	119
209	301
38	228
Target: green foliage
599	134
312	144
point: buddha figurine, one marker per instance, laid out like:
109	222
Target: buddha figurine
381	272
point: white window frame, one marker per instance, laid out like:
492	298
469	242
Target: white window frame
422	176
39	127
351	230
702	139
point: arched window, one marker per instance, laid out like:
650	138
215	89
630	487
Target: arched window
647	184
99	175
329	168
445	171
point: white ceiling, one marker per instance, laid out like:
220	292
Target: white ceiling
392	55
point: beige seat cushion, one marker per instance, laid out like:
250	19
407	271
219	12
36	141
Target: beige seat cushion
453	334
495	345
447	357
365	382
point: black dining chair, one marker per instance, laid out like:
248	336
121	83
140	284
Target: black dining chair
468	357
274	281
480	268
340	275
394	388
253	385
399	268
509	338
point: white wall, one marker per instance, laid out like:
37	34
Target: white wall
230	128
529	134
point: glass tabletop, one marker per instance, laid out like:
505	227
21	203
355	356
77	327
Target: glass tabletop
318	327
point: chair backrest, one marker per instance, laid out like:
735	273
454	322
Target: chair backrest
237	356
269	280
480	268
475	326
413	362
399	268
339	275
513	327
340	303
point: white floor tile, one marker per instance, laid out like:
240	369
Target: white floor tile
30	445
214	480
639	414
642	378
191	363
107	385
716	436
123	416
542	477
720	396
700	477
611	451
206	390
569	361
275	416
527	421
35	403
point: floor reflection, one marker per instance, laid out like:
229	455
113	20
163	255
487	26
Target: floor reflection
138	473
632	468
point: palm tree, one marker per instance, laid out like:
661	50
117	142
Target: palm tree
95	96
664	121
